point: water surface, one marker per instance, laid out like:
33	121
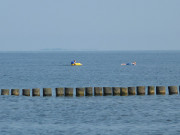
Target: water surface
89	115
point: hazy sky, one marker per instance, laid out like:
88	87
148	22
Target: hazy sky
89	24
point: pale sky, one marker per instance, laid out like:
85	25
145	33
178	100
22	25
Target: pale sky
27	25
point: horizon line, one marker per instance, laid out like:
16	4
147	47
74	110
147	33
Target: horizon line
69	50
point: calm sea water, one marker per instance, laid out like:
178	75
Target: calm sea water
89	115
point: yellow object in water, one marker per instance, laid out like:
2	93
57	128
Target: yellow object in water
76	64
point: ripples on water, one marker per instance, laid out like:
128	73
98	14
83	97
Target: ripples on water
89	115
29	70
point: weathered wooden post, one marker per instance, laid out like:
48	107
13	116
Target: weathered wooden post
36	92
172	90
79	92
107	91
141	90
98	91
59	92
116	91
151	90
47	92
124	91
26	92
68	91
131	91
15	92
4	91
88	91
160	90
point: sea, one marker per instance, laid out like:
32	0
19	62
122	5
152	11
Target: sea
95	115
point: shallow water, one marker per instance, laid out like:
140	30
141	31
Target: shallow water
89	115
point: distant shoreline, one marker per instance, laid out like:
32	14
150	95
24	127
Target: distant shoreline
56	51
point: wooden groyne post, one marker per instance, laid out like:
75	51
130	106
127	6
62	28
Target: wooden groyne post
69	92
107	91
88	91
123	91
116	91
59	92
47	92
4	91
141	90
131	91
36	92
151	90
160	90
79	92
26	92
172	90
98	91
15	92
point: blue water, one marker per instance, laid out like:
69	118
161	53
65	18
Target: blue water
89	115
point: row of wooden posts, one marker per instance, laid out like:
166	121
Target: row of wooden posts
98	91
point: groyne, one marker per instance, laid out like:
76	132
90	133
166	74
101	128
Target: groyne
95	91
